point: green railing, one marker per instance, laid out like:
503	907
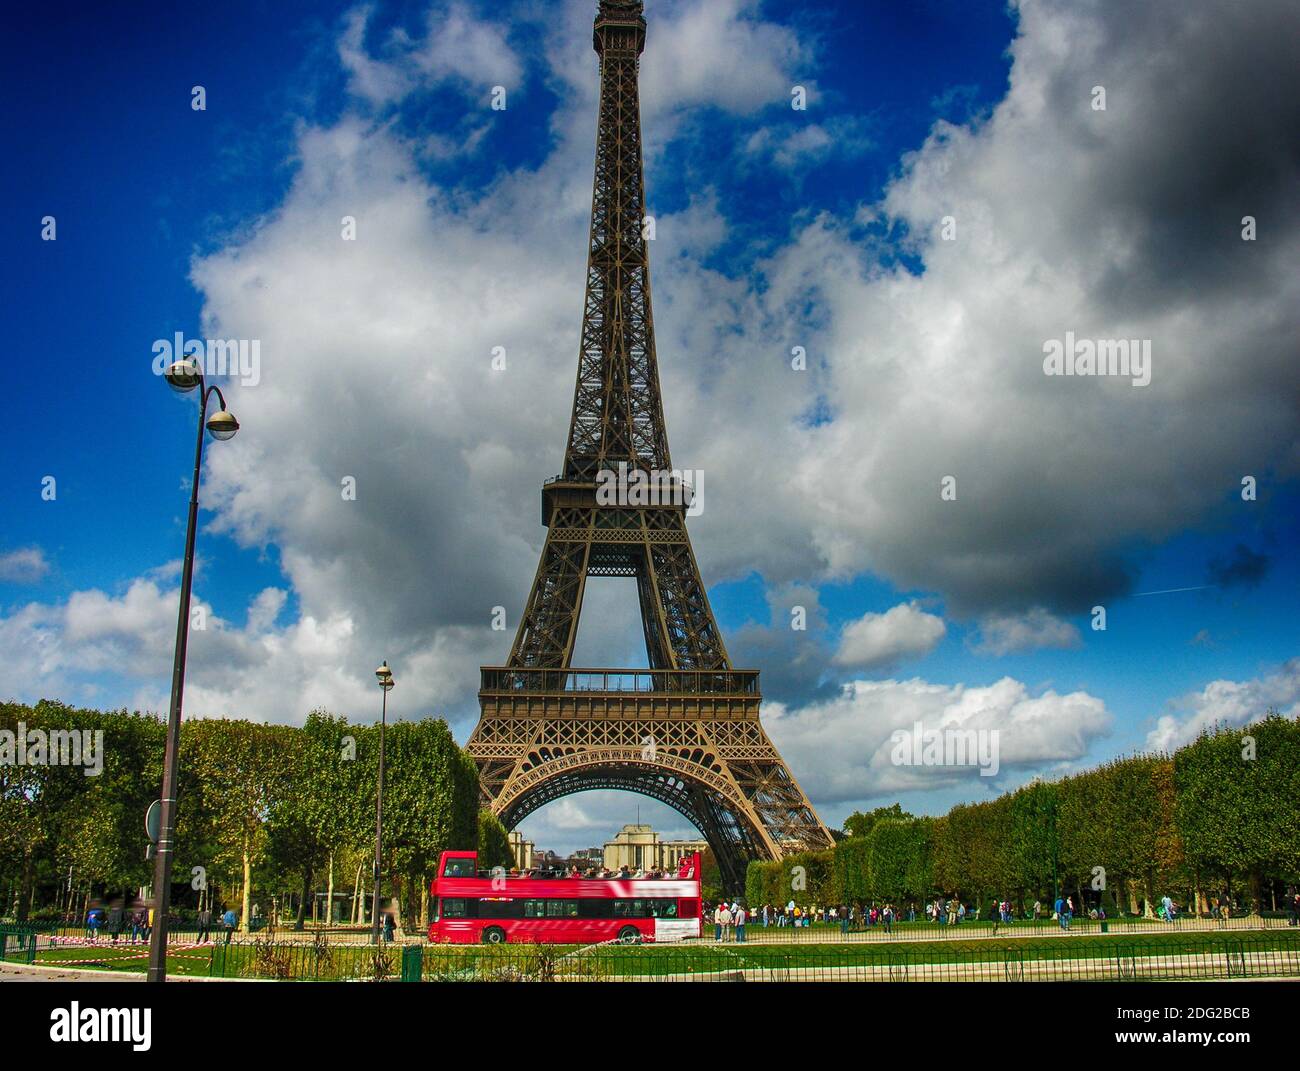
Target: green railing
1234	957
921	929
1274	954
18	943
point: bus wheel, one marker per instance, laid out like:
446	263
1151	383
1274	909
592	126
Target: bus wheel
629	935
494	935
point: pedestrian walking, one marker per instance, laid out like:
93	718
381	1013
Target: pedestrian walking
116	920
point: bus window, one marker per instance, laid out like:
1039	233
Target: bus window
648	908
458	868
499	907
454	909
534	909
561	909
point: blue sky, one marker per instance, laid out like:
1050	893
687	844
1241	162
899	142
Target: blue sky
776	228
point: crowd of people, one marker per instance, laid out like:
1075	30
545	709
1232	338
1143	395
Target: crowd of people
130	925
729	919
848	916
601	872
122	925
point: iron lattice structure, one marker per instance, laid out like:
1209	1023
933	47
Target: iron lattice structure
686	731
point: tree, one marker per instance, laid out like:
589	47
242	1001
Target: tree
321	811
1238	802
493	842
243	768
1031	851
431	799
859	825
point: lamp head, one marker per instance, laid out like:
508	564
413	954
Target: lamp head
222	425
183	376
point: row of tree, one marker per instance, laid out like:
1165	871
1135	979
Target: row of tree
1220	816
266	812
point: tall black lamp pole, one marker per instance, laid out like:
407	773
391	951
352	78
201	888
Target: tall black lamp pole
183	376
385	676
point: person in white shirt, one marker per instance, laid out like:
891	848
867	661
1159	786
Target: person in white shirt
741	917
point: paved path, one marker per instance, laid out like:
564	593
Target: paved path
21	972
968	931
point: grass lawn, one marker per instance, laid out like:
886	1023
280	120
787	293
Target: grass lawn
126	958
706	957
237	960
303	961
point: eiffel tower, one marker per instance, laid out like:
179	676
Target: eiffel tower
685	731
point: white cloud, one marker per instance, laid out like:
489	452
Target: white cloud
377	352
589	819
1228	703
98	647
26	565
373	80
841	749
877	640
719	53
459	48
465	47
1003	634
796	146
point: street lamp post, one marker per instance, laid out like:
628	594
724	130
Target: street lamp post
385	677
183	376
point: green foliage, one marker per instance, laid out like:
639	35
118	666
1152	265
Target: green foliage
258	805
807	878
1237	801
269	808
493	842
859	825
1216	811
852	862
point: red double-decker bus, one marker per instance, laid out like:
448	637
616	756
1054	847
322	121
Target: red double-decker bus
472	905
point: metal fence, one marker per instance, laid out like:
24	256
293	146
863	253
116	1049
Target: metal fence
17	944
982	929
1260	954
272	956
1109	960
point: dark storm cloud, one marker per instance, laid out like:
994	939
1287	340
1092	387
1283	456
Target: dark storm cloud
1242	567
1117	224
